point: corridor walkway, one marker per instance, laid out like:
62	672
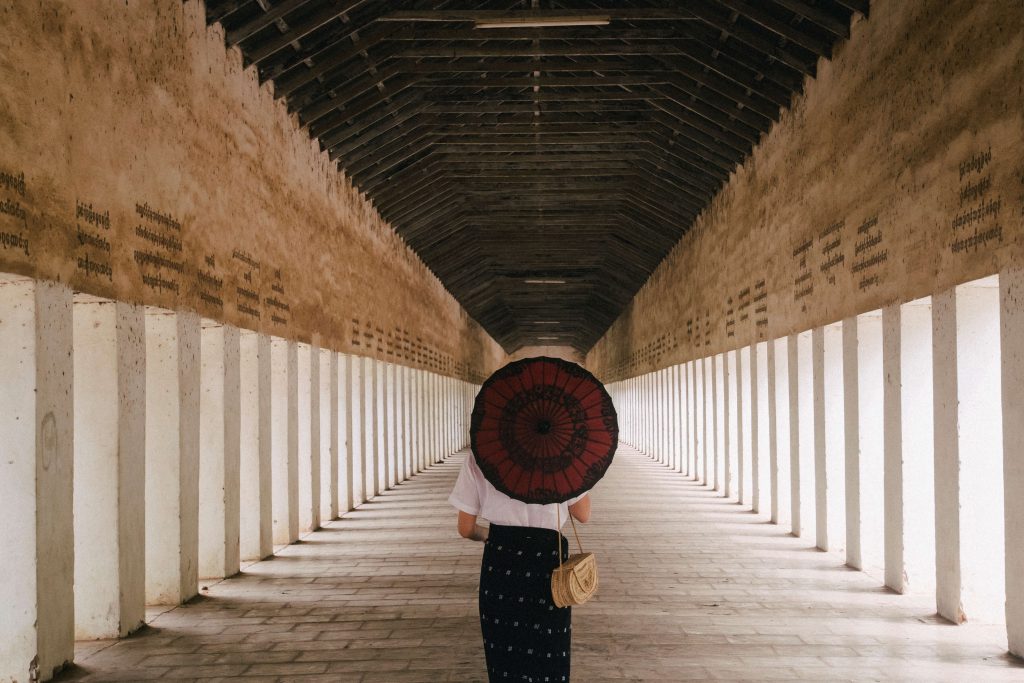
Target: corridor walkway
693	587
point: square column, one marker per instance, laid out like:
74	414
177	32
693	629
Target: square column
346	440
743	426
1011	295
303	387
109	473
762	431
730	412
356	400
327	421
339	437
37	604
316	437
254	473
371	448
969	514
793	366
283	440
702	426
381	426
802	442
219	456
172	456
866	445
829	438
397	448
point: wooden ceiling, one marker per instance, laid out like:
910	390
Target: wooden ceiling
541	156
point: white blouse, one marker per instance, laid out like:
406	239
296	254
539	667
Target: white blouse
474	495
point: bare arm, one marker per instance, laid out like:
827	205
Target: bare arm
580	510
468	528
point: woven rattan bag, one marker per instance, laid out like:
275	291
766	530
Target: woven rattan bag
575	580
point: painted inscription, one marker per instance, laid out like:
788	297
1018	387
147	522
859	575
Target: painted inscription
247	298
275	304
13	215
869	253
977	222
760	301
210	284
159	254
92	232
830	241
802	285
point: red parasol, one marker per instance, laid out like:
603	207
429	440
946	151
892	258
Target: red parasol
544	430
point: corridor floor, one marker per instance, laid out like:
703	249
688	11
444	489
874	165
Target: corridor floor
693	587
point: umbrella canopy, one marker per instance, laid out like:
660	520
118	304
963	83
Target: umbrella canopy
543	430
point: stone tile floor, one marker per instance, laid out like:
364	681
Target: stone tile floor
693	587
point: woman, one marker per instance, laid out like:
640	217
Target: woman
526	638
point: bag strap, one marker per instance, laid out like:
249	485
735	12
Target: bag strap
558	532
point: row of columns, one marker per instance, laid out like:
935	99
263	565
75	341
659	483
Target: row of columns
145	449
894	437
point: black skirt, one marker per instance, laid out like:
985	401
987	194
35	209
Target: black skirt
526	638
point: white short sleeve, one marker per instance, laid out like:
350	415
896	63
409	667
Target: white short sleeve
466	494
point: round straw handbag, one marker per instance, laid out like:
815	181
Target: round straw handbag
575	580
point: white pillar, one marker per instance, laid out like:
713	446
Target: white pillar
852	435
306	394
829	438
762	431
172	456
743	426
968	453
328	423
802	447
267	431
109	472
791	455
284	442
1011	286
371	449
380	423
346	440
251	502
339	437
398	428
219	483
409	465
316	436
692	419
356	429
730	416
868	443
703	407
37	604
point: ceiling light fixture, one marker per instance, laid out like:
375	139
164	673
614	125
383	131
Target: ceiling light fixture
537	21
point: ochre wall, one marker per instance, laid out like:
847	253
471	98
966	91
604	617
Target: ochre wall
139	161
897	174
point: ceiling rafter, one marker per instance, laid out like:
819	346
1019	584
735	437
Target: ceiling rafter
541	148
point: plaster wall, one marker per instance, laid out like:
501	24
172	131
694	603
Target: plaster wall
140	162
898	173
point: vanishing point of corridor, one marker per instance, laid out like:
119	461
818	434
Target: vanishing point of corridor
693	587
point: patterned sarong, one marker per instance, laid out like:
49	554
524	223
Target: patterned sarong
526	638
